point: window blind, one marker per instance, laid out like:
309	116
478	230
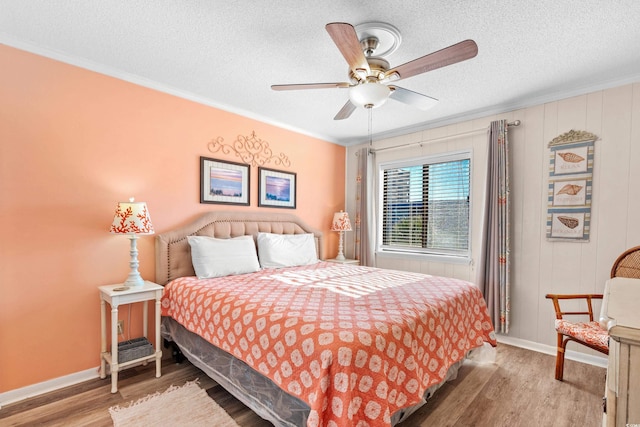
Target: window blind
425	206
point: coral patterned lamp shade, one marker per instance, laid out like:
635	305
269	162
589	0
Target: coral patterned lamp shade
341	224
132	218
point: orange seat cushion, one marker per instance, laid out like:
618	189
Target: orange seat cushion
589	332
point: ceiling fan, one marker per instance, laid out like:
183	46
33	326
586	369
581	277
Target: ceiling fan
370	75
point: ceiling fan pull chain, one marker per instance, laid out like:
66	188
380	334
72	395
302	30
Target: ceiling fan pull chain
370	127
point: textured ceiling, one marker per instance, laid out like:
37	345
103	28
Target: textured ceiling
227	54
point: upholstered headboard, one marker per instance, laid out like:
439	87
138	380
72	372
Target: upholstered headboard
173	253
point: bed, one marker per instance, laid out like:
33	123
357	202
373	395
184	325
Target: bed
314	343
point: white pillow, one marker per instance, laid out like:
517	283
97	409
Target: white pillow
213	257
286	250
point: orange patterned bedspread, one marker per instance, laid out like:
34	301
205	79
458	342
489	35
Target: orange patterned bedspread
355	343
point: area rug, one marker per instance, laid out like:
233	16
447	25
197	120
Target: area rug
188	405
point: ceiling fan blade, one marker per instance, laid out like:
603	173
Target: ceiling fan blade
449	55
345	111
345	37
311	86
415	99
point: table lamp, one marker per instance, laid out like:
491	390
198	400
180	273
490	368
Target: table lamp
132	218
341	224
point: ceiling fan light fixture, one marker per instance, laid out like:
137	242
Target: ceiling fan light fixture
369	95
371	80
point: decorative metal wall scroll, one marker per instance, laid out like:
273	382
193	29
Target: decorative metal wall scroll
570	186
251	149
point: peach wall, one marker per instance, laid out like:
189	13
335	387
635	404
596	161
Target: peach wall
73	144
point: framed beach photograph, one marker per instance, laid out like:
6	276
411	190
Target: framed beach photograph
224	182
276	189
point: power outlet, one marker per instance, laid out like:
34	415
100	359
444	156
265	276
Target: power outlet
120	327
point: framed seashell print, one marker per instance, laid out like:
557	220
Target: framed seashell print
575	192
569	224
570	186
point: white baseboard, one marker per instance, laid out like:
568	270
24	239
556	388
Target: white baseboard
61	382
589	359
19	394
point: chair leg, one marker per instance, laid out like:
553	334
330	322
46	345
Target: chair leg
562	345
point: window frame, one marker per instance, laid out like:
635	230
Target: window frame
424	253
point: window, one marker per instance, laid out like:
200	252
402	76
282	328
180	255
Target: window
425	205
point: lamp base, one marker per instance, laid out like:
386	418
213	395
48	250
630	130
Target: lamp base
134	279
340	256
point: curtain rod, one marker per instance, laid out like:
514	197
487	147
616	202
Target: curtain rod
471	132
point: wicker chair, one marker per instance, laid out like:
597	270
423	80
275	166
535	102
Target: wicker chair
591	333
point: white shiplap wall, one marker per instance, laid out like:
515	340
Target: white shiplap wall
540	266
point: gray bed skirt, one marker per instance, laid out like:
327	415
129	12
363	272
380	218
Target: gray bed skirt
253	389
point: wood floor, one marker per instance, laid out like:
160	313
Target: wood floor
518	390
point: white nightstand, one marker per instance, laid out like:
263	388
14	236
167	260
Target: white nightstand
109	294
344	261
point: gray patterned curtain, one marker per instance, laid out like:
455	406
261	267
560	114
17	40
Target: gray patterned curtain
365	220
494	264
